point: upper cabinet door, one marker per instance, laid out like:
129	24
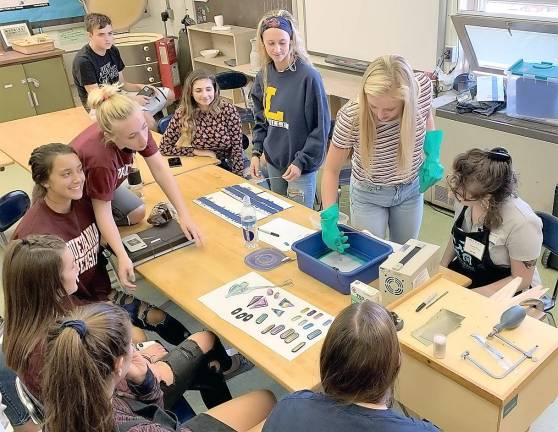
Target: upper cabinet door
15	97
48	85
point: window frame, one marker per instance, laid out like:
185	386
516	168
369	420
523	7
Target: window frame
505	22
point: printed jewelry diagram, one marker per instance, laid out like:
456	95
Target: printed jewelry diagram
269	313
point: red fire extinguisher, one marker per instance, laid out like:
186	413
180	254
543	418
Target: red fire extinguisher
168	65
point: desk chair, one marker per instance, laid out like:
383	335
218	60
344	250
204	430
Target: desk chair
13	206
163	123
30	402
236	80
550	242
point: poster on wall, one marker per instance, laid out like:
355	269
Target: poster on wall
20	4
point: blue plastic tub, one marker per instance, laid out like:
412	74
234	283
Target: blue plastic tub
310	249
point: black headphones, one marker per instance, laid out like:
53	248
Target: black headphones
499	154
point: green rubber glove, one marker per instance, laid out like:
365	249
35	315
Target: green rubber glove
431	170
331	235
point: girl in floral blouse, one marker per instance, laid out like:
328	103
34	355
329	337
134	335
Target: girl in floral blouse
205	124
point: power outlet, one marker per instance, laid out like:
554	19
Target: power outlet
450	54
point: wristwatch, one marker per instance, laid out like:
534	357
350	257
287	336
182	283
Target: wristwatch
256	153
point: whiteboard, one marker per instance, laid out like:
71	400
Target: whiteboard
366	29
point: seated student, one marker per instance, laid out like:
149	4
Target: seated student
205	124
99	62
89	353
496	235
59	208
359	363
106	151
39	278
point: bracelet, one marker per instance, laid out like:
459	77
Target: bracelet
256	154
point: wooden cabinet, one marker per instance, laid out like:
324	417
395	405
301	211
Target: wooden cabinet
138	52
233	44
33	87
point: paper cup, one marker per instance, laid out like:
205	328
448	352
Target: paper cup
219	20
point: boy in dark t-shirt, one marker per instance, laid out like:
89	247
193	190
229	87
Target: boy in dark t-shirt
99	62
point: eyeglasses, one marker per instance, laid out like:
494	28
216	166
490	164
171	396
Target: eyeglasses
458	191
462	196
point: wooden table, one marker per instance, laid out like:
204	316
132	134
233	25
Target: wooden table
452	392
5	160
24	135
14	57
189	273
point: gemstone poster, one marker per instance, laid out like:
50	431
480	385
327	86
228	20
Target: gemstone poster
269	313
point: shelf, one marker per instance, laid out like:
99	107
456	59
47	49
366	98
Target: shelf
206	28
245	69
218	61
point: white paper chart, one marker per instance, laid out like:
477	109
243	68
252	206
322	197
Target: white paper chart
273	316
287	233
227	203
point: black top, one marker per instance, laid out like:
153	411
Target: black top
91	68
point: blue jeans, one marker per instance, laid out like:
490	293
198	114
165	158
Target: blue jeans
377	207
15	411
306	183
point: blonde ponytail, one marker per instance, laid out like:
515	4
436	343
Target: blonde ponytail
389	75
110	106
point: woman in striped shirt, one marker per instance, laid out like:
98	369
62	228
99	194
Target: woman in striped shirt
384	128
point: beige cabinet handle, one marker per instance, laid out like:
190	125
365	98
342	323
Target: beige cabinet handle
36	83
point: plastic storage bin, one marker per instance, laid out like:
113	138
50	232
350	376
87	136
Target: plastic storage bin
309	249
532	91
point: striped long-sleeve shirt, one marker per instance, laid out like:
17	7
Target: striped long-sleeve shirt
384	168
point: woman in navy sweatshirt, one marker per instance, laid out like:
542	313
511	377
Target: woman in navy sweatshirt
292	114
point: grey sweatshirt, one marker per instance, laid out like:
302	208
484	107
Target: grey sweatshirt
292	120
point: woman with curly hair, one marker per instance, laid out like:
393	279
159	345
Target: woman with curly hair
496	235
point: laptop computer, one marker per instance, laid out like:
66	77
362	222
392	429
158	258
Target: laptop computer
154	242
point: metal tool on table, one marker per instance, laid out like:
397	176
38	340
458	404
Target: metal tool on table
510	319
500	359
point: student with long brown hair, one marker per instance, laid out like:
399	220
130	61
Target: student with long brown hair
89	354
496	235
205	124
59	208
39	276
359	363
106	151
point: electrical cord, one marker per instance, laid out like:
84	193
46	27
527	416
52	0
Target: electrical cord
434	207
